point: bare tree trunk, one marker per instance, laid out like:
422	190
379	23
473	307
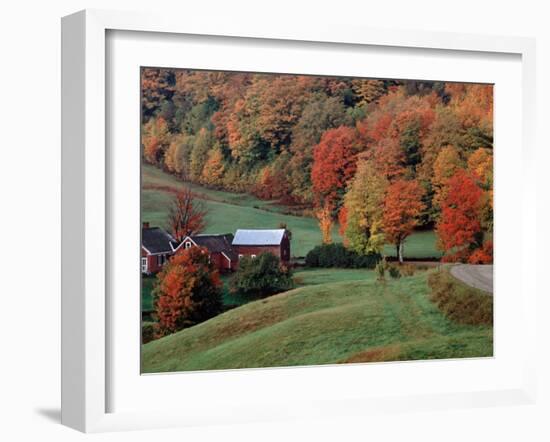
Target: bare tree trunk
400	251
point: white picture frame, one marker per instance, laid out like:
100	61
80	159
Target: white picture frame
85	200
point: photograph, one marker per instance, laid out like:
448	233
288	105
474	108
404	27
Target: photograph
303	220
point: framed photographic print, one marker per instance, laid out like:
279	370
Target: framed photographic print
287	222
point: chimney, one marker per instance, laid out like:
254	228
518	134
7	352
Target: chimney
145	225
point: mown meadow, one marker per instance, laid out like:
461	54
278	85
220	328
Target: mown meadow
331	317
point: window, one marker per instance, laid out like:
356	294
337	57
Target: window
253	256
187	245
240	256
143	265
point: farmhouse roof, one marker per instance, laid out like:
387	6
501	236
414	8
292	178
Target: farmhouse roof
157	240
266	237
220	243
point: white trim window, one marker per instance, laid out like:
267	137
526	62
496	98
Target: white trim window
253	256
188	245
143	264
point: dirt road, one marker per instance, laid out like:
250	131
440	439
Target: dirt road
477	276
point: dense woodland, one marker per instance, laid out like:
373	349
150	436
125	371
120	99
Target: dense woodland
379	157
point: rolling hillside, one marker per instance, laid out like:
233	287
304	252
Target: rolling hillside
325	323
230	211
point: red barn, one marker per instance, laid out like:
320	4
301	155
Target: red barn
251	243
157	245
221	252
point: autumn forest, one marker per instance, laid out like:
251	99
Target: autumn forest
377	158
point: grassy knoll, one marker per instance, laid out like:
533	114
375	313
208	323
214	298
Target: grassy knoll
332	322
230	211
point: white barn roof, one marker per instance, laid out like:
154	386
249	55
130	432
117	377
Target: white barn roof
271	237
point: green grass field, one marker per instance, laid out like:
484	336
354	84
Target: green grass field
230	211
323	276
330	321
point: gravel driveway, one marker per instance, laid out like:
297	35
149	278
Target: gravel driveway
477	276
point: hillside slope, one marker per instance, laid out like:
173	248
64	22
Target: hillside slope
354	321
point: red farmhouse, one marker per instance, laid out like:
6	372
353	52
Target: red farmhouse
221	252
157	246
253	242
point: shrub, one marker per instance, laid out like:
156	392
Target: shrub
394	272
147	332
261	276
407	269
381	270
459	302
337	255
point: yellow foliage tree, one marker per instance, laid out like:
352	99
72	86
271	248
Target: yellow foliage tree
364	202
480	165
214	168
448	161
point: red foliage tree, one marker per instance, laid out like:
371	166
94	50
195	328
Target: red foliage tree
483	255
459	227
334	163
187	291
187	214
402	208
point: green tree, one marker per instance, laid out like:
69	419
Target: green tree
204	142
261	276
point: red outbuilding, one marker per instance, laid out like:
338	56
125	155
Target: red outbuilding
252	242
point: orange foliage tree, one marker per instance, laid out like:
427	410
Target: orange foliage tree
213	170
187	291
187	214
402	208
156	139
448	161
343	222
459	228
324	216
272	184
334	163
